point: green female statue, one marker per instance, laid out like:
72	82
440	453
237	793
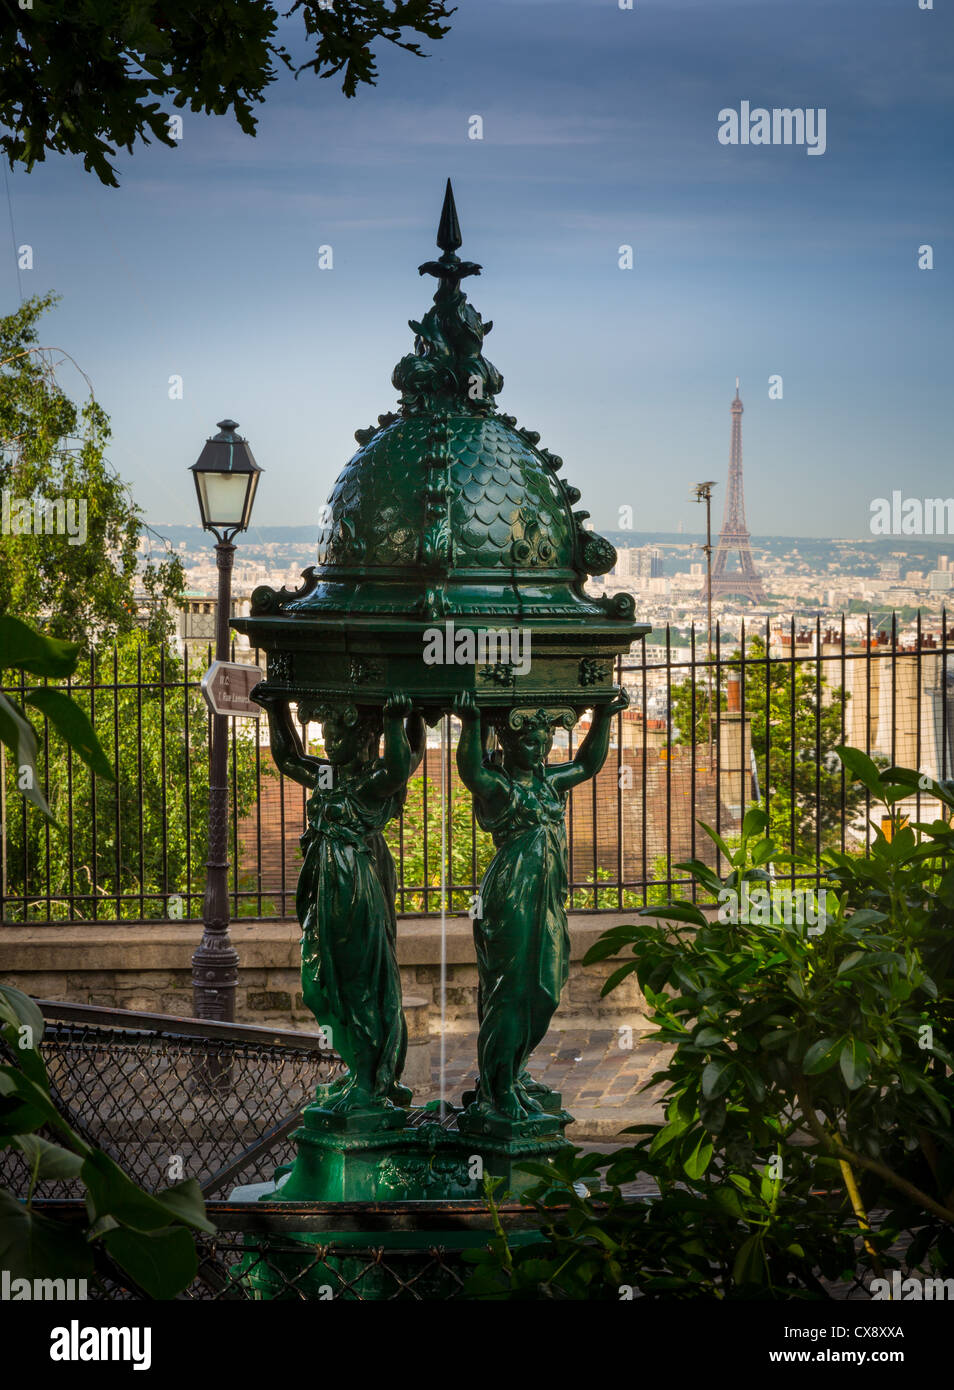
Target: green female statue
345	898
520	927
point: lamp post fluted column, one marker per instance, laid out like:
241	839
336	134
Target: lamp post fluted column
703	493
215	961
226	477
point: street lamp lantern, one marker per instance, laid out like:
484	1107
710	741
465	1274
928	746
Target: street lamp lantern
226	476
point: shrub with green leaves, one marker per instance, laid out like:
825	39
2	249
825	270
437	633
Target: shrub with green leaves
807	1131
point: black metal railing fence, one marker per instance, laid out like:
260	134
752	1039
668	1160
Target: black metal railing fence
782	699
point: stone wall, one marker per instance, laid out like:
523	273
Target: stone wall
146	966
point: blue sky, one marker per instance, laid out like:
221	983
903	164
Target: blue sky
600	128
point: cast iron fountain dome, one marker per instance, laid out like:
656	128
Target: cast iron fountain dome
448	513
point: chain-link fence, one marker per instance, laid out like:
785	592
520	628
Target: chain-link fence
321	1251
173	1098
169	1098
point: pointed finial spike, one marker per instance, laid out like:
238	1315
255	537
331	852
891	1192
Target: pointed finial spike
448	233
737	386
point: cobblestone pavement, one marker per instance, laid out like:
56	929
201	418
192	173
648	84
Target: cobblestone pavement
599	1080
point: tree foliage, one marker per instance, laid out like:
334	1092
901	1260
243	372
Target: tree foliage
133	834
30	653
51	448
88	77
795	727
128	846
422	845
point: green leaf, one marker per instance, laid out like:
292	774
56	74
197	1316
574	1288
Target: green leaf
821	1056
727	1201
186	1202
750	1266
27	650
618	976
851	961
678	912
15	1083
862	769
716	1078
17	1007
113	1193
27	1059
610	944
666	1135
906	777
19	736
72	723
54	1161
35	1247
162	1262
854	1063
717	839
753	821
702	872
17	1116
713	1114
700	1158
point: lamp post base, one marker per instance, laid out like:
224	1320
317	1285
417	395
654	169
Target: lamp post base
214	980
215	977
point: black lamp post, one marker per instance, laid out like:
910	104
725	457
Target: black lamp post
703	493
226	476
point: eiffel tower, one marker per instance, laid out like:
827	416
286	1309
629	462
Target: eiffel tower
745	581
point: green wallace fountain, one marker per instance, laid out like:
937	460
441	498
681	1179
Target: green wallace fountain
450	579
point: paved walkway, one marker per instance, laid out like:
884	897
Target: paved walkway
600	1081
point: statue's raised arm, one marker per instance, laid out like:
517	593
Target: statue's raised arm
286	745
592	752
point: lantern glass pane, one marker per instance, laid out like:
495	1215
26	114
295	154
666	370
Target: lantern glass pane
223	498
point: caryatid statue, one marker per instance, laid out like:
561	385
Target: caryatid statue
346	888
520	925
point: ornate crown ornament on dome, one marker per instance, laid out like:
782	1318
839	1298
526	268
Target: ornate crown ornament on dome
449	529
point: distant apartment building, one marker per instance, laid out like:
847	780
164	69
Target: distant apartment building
780	643
638	563
900	705
195	631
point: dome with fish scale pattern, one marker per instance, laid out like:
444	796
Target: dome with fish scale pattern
504	507
449	511
497	516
